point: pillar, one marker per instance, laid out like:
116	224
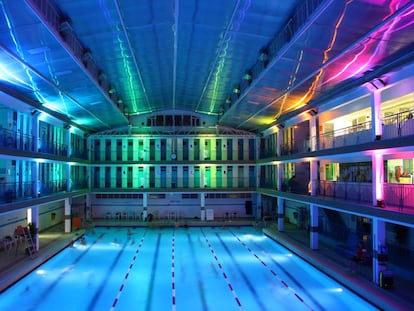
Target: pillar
314	226
68	179
259	206
279	142
35	180
313	133
280	215
33	217
313	183
379	247
203	206
279	176
145	206
35	130
377	178
376	114
203	199
68	220
88	207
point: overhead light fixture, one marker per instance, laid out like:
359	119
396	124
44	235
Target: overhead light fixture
38	50
377	84
313	112
111	90
236	90
263	56
63	73
247	76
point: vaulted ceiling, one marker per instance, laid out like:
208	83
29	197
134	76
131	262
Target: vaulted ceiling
102	63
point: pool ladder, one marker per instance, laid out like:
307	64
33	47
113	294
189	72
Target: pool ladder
30	247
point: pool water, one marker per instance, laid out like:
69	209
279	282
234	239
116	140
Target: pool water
201	268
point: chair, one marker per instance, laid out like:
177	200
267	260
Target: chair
124	215
108	215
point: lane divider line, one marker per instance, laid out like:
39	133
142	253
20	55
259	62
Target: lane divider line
174	306
223	272
121	288
273	272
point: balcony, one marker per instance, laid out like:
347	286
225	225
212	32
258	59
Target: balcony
352	191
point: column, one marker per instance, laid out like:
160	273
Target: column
313	183
377	178
280	215
35	180
376	114
68	141
259	205
145	206
314	226
35	130
313	133
33	217
88	207
279	142
67	176
203	206
379	241
68	220
279	176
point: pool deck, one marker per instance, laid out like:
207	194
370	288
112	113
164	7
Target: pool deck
14	264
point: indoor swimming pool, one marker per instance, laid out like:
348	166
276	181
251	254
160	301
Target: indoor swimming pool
198	268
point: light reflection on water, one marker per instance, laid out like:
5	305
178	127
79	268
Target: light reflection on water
210	269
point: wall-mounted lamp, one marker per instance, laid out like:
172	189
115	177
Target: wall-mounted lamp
281	126
35	112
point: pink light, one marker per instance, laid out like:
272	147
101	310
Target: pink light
378	167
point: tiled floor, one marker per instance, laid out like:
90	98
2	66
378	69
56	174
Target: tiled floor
15	263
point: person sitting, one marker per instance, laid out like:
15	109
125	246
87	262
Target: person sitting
293	184
359	257
82	241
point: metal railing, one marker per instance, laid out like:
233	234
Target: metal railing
353	191
15	191
399	195
15	140
397	125
352	135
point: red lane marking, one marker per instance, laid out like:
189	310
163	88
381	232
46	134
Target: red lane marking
299	297
114	304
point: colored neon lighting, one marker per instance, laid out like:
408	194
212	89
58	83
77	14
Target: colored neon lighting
379	176
223	54
311	91
359	63
331	44
292	80
126	66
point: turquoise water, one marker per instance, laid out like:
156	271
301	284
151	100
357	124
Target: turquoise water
178	269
